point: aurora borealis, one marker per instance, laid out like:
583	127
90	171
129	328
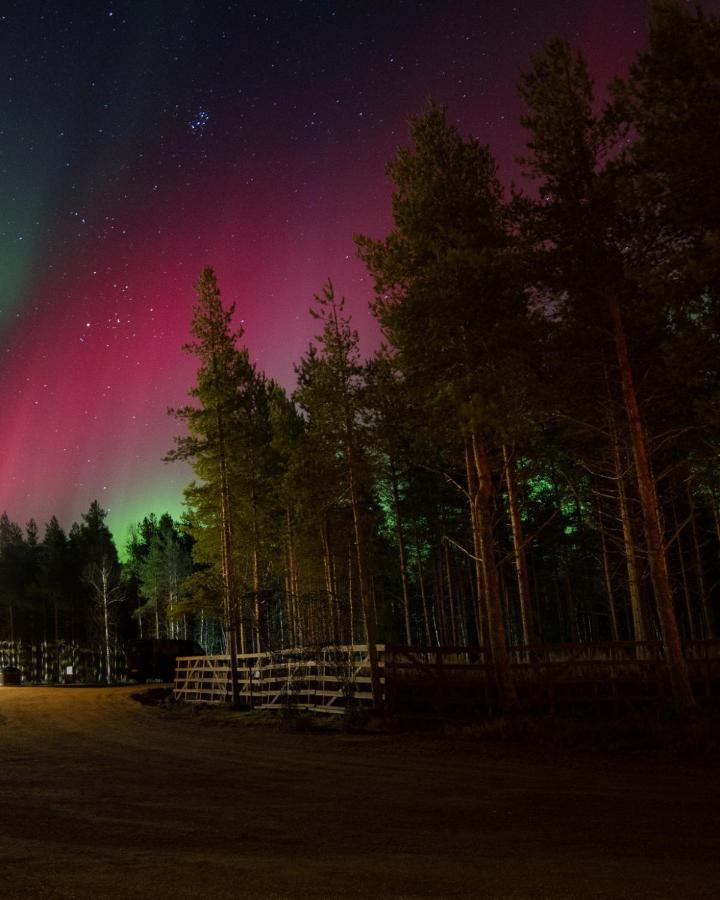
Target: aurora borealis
142	141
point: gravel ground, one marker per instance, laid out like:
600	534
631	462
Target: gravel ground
101	796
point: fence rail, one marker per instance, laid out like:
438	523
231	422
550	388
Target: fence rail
448	679
324	680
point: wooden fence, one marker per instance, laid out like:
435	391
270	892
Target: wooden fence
547	676
449	680
325	680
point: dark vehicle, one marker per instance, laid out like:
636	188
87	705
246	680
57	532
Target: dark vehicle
151	659
10	675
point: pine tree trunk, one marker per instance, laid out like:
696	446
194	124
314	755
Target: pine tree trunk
330	580
451	596
364	577
612	610
692	631
351	596
702	590
257	610
527	623
637	608
226	562
421	584
402	555
295	628
583	618
486	552
657	557
438	607
480	604
289	602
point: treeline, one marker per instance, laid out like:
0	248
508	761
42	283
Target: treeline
532	455
68	593
52	585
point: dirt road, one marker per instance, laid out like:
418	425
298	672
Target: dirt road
103	797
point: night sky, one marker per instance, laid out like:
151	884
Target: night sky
141	141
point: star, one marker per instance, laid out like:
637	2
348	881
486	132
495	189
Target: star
199	121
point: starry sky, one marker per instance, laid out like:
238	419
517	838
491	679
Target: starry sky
143	140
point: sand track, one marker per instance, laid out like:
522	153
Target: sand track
103	797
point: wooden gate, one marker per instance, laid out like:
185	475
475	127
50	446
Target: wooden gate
324	680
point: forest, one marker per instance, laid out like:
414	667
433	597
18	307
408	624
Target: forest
529	457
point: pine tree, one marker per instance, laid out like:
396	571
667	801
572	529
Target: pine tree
582	236
329	383
12	581
446	301
207	444
54	575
